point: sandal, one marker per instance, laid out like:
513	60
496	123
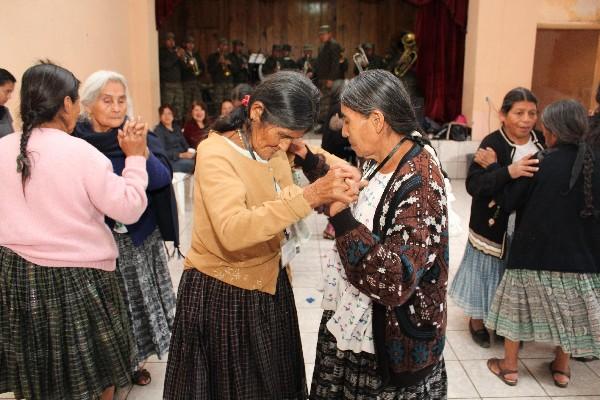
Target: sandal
501	374
563	373
141	377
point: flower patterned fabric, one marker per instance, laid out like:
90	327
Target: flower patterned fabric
351	322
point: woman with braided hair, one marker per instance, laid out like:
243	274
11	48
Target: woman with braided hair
383	328
63	326
550	291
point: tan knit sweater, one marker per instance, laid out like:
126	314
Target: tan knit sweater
239	217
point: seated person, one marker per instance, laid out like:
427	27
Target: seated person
226	107
196	129
174	143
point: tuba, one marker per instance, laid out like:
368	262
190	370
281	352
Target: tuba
360	59
408	57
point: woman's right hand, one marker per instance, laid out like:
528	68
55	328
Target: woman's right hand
526	166
133	138
485	157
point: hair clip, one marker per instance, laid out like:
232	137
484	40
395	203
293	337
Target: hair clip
246	100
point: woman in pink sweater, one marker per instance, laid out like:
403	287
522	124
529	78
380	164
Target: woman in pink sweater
63	326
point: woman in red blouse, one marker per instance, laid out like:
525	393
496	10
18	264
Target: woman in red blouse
196	129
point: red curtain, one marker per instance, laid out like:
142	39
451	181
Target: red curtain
440	32
164	9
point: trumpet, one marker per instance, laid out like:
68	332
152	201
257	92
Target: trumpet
191	62
307	67
360	59
224	65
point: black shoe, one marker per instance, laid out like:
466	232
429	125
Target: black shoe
585	359
481	336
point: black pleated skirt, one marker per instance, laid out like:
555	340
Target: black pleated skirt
64	332
345	375
231	343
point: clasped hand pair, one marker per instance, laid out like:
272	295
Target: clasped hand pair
337	189
132	138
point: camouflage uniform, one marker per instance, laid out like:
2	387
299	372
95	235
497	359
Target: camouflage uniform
222	82
171	91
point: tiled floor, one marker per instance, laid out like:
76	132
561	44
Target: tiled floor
467	373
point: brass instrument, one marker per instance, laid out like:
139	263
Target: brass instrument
191	62
307	67
360	59
277	66
224	64
408	57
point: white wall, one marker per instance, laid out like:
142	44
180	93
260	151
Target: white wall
84	36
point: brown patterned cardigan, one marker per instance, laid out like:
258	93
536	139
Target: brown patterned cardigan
402	265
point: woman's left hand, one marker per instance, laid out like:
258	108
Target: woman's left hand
485	157
298	147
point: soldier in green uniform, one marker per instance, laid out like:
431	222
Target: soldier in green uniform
239	62
221	73
286	60
170	62
327	67
193	68
273	62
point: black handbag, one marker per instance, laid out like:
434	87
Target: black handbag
454	131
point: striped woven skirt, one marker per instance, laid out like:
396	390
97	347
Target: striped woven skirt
235	344
148	293
544	306
345	375
63	331
474	285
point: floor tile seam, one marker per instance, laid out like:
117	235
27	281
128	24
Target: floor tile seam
534	377
468	376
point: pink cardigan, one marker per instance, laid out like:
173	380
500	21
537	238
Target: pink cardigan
60	220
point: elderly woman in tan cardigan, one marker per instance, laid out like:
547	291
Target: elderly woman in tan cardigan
236	330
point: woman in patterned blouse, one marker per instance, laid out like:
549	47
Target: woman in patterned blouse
383	329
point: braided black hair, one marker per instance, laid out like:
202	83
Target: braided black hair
567	119
592	140
588	199
44	88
